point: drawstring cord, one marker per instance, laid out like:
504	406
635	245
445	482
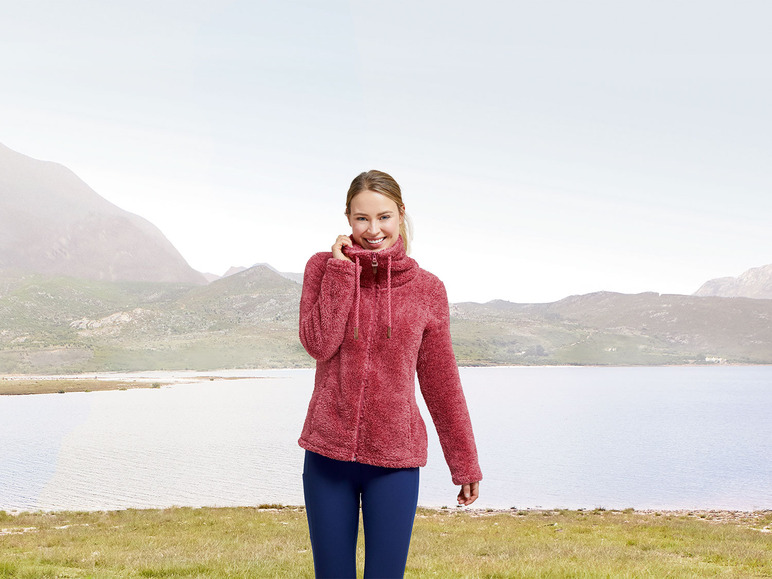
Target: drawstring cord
356	300
388	293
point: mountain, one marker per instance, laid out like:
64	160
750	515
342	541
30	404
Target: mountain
754	283
51	222
249	320
64	324
234	269
86	286
612	328
296	277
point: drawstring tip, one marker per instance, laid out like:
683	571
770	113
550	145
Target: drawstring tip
356	333
388	332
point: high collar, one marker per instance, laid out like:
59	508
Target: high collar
390	266
394	258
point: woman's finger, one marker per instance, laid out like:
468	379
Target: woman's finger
337	247
468	493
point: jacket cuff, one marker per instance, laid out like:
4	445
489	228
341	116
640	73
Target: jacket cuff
340	266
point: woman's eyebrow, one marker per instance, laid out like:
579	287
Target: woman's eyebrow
381	213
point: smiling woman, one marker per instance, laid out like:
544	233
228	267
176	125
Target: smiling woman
376	212
371	330
375	220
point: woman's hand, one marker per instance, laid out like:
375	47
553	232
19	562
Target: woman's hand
468	493
337	247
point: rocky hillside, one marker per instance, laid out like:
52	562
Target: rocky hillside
612	328
754	283
249	320
55	324
86	286
52	223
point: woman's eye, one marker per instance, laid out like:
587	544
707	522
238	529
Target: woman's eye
385	216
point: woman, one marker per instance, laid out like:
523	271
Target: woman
372	318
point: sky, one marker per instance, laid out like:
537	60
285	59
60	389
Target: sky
544	148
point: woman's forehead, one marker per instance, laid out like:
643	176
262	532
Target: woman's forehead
370	202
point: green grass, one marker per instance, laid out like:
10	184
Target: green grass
273	542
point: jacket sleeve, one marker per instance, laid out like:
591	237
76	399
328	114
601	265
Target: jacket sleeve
325	302
440	385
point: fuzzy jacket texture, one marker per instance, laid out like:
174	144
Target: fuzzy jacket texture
371	325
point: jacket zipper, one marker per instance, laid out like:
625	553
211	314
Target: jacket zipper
359	421
364	385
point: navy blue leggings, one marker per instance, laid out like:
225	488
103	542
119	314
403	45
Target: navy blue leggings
389	496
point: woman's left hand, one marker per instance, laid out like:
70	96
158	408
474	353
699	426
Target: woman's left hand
468	493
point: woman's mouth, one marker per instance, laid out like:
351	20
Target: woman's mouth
376	241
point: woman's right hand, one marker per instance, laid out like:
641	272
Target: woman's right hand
469	493
337	248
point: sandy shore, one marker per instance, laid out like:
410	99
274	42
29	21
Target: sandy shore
61	384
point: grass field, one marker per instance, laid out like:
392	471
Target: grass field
450	543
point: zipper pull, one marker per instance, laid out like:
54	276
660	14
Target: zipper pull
375	266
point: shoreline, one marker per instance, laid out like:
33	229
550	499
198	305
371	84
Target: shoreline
33	384
706	514
60	383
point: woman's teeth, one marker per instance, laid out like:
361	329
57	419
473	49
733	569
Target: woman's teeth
375	241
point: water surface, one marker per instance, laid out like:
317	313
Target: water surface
578	437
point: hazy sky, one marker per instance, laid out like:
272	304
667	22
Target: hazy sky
544	148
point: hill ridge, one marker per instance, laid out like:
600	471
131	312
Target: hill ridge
755	283
250	320
52	222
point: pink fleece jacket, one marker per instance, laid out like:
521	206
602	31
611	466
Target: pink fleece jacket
371	324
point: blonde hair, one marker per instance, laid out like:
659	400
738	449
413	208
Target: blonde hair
383	183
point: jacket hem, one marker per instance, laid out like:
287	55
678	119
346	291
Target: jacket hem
348	457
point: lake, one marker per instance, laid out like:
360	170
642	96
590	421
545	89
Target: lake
549	437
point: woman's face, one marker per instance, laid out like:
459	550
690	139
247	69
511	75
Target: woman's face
374	220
